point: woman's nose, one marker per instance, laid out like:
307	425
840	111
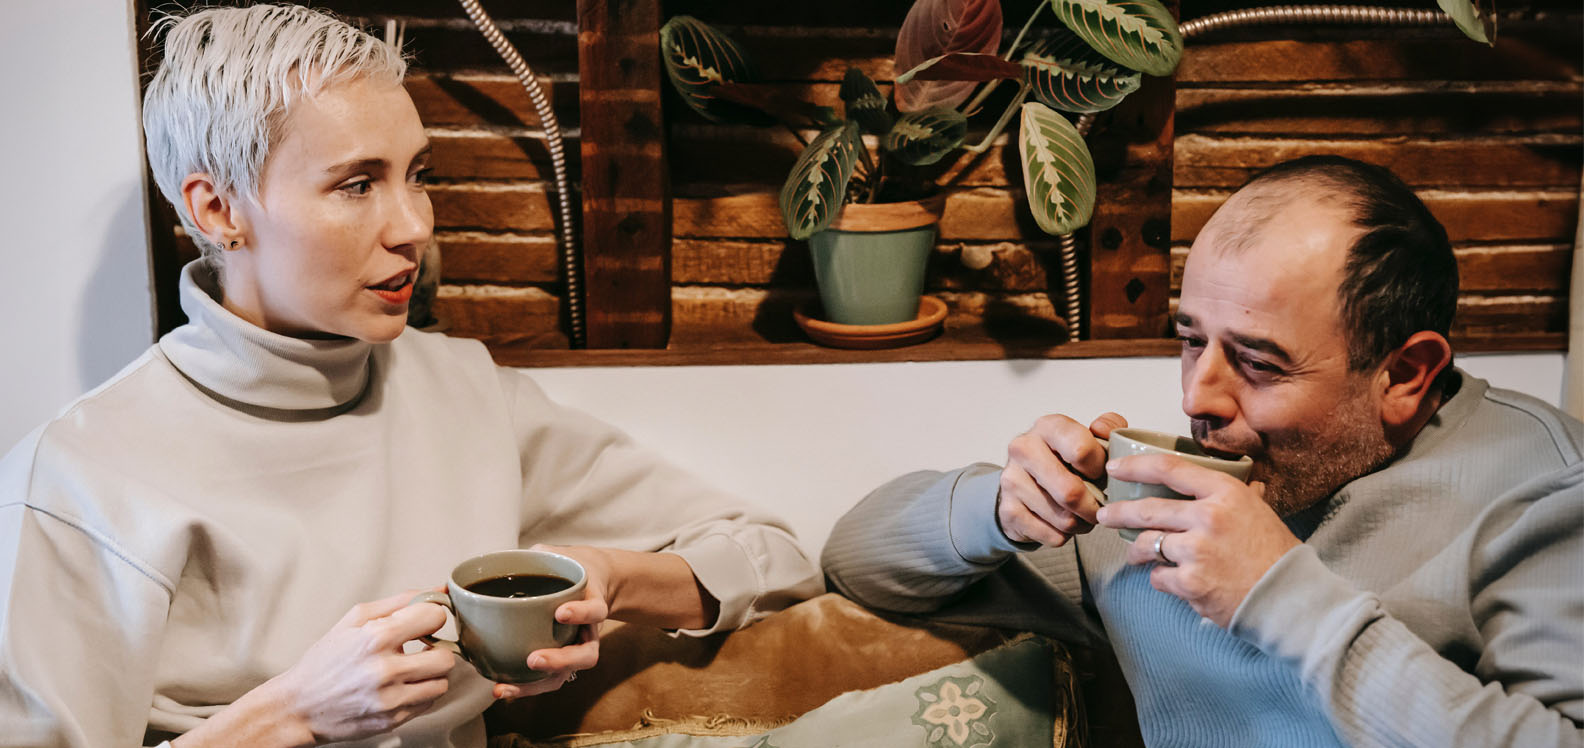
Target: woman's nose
410	223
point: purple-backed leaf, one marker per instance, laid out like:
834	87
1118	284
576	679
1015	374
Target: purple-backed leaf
935	28
963	66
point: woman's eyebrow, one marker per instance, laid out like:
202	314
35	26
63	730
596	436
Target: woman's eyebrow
356	165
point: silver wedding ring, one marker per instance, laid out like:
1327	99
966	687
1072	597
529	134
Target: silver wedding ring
1160	555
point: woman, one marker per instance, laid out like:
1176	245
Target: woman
187	545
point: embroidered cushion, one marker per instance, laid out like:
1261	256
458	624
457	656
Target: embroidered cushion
826	672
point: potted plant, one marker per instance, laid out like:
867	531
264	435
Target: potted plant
869	213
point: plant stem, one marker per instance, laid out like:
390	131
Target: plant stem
1001	124
985	92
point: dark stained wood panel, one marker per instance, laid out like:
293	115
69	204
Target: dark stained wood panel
626	188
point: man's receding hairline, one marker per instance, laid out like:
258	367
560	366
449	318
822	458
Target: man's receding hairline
1255	204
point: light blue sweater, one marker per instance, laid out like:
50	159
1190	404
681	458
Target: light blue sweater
1436	602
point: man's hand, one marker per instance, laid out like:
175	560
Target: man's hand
1220	544
563	663
1041	498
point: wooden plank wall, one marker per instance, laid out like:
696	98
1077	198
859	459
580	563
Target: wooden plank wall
1491	138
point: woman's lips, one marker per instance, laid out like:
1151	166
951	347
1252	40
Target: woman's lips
393	294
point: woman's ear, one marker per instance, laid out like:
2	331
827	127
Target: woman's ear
1409	375
214	212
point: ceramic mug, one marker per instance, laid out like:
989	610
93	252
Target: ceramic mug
496	633
1131	441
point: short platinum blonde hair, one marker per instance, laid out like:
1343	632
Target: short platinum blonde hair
226	85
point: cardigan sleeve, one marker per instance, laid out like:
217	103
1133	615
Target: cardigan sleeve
1384	686
587	483
80	623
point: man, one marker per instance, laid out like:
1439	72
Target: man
1402	569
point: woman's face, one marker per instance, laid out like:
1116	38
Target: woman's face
332	247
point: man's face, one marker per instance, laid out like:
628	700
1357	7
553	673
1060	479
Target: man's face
1264	357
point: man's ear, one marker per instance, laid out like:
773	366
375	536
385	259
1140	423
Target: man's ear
1409	376
214	212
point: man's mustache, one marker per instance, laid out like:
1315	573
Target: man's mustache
1216	443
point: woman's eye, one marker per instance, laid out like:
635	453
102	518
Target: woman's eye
422	176
360	187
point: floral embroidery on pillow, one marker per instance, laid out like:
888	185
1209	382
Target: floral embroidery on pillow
955	712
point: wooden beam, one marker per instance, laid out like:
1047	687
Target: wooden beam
1128	281
626	192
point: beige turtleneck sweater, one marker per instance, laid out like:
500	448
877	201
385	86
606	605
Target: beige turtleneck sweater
185	531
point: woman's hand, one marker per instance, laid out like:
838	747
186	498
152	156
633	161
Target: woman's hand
352	683
563	663
356	681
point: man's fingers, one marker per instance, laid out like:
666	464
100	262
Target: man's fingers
1171	471
1023	526
1106	423
1021	495
1073	443
1149	514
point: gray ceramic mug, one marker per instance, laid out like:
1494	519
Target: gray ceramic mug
496	633
1130	441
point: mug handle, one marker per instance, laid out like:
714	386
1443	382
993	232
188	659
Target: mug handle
443	600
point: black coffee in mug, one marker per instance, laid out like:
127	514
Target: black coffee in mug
520	585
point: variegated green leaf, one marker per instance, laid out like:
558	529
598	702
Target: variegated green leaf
1137	34
1466	14
922	138
1064	73
864	102
814	190
1058	172
698	58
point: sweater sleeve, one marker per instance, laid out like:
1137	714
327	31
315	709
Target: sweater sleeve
79	628
1383	685
929	542
587	483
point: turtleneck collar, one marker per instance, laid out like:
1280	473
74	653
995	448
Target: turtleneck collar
239	361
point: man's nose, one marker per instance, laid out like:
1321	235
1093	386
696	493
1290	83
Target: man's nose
1207	387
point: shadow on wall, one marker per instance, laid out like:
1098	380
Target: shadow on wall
116	319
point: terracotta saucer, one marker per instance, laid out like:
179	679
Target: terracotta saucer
932	312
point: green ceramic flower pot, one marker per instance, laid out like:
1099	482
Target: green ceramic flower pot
869	264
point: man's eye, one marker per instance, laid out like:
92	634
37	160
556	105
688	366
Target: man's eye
1261	366
1190	341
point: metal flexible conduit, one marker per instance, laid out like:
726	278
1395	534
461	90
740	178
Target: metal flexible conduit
570	259
1275	15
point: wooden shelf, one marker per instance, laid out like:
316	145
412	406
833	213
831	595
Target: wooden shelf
948	347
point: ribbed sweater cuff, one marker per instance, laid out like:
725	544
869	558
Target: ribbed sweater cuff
1299	609
975	534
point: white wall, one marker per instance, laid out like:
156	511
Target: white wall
809	441
77	303
805	441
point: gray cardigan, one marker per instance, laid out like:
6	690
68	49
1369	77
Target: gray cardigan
1435	602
